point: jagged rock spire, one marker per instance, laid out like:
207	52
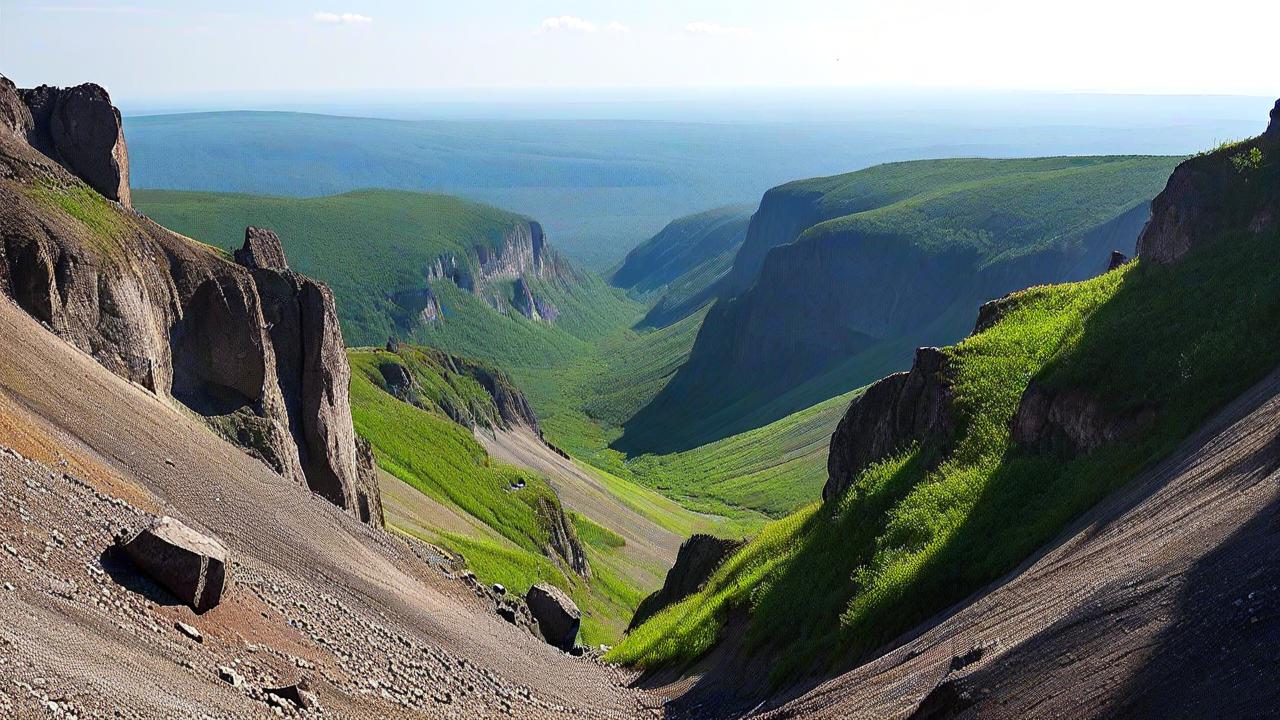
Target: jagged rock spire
1273	130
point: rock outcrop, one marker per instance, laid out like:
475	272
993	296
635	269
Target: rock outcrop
80	128
191	565
698	558
1117	260
508	408
1273	129
261	250
905	407
1071	422
557	615
254	349
1211	196
564	543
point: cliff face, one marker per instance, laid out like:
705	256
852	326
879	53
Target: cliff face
837	305
81	129
470	392
903	408
254	350
1232	188
520	257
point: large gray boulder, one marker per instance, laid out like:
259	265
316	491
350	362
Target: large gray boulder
191	565
261	249
557	615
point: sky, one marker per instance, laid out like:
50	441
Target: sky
143	50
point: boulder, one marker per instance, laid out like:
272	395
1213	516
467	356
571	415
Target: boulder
191	565
80	129
905	407
557	616
261	250
397	378
299	694
698	558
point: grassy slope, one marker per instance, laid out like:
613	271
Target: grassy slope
370	244
833	582
441	459
678	268
974	217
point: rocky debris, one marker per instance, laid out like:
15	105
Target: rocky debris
697	560
563	543
262	250
189	630
230	676
296	694
256	352
1117	259
905	407
1210	197
1072	421
558	617
189	564
948	700
80	129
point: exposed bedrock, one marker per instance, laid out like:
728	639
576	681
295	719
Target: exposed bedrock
1072	422
697	560
906	407
257	352
1211	196
80	128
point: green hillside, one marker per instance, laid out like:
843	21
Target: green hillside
424	448
851	273
375	248
678	268
921	530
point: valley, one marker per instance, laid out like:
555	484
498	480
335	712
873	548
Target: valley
931	438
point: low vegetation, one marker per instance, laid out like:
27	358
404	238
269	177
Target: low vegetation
920	531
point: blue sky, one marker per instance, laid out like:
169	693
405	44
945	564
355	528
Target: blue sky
148	49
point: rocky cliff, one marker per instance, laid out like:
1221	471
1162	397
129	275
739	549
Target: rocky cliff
839	303
1230	189
472	393
253	348
906	407
502	273
696	562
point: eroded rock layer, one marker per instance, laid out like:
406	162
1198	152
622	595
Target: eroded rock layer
257	352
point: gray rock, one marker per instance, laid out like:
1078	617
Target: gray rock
189	630
905	407
230	676
261	250
557	616
189	564
1117	259
297	694
698	558
1071	421
80	129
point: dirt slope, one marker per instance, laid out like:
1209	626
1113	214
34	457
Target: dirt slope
1162	602
650	548
376	626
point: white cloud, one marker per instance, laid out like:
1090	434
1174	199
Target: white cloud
617	26
568	22
716	29
344	18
